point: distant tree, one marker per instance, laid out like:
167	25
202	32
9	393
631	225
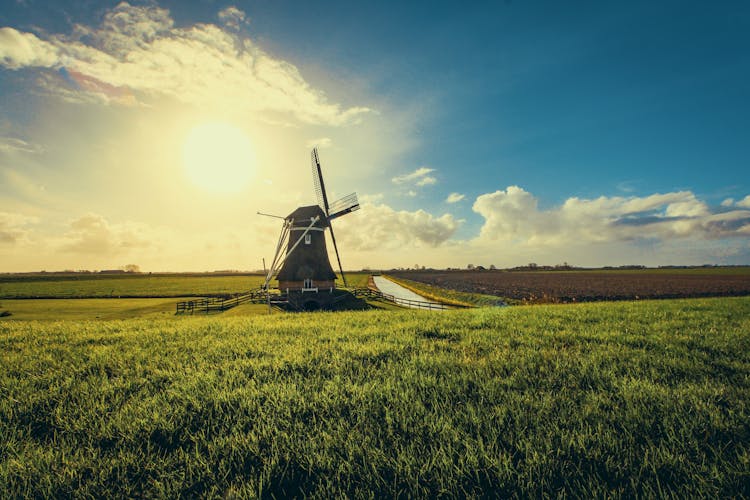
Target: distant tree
492	266
470	266
132	268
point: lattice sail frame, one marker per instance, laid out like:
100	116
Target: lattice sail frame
343	206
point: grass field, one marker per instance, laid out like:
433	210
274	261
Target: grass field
78	308
139	285
104	309
136	285
646	398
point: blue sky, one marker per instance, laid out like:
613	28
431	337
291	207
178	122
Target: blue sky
495	133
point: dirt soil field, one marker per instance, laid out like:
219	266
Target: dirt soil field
585	286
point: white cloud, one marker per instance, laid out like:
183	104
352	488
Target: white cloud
380	227
454	198
18	50
233	17
416	176
14	227
139	50
14	145
513	215
426	181
124	29
731	202
371	198
93	234
690	207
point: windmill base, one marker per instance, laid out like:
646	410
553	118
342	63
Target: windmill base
321	301
311	301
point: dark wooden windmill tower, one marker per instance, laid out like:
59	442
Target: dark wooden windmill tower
301	263
307	268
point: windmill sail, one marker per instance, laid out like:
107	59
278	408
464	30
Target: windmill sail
340	207
320	187
343	206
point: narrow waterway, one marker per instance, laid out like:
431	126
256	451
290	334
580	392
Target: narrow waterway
388	287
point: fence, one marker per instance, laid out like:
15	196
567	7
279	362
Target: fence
373	292
218	304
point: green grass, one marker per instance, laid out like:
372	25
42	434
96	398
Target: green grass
607	399
105	309
143	285
137	285
354	280
86	309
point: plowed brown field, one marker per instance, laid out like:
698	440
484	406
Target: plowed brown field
581	286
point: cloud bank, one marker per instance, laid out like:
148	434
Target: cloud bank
14	227
93	234
513	215
379	226
138	54
662	228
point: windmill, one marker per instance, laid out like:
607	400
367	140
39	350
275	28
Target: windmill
301	263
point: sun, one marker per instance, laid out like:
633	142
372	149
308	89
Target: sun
218	157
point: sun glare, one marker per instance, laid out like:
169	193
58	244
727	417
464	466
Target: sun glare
218	157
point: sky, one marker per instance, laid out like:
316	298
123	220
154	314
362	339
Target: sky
491	133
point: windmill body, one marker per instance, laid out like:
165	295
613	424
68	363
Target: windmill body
306	267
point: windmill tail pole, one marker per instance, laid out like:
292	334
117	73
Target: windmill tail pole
338	259
282	238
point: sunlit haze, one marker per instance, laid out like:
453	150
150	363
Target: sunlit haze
218	157
152	132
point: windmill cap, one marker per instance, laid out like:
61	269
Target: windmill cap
304	215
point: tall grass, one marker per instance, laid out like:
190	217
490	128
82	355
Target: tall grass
626	399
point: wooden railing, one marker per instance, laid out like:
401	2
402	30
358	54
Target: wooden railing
372	292
218	304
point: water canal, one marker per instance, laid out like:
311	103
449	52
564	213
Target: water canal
388	287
